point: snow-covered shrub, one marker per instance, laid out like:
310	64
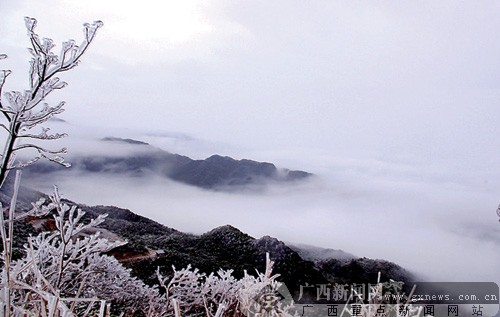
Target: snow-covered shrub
221	294
380	302
72	265
263	295
66	272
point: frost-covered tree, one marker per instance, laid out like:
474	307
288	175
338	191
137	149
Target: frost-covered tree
22	111
72	264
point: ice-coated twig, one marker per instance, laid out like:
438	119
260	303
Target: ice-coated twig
25	110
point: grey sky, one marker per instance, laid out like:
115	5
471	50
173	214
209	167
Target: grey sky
395	103
392	78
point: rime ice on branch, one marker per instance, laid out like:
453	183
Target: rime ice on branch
23	111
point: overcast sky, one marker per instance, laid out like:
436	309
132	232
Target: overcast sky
388	94
401	79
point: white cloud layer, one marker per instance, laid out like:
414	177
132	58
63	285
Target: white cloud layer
439	223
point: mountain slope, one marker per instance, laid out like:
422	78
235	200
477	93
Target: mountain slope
313	253
152	245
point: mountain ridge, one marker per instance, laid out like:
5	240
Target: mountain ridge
152	245
139	158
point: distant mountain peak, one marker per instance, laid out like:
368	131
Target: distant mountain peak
271	244
217	157
226	231
216	172
128	141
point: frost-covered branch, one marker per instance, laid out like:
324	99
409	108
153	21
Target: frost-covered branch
25	110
